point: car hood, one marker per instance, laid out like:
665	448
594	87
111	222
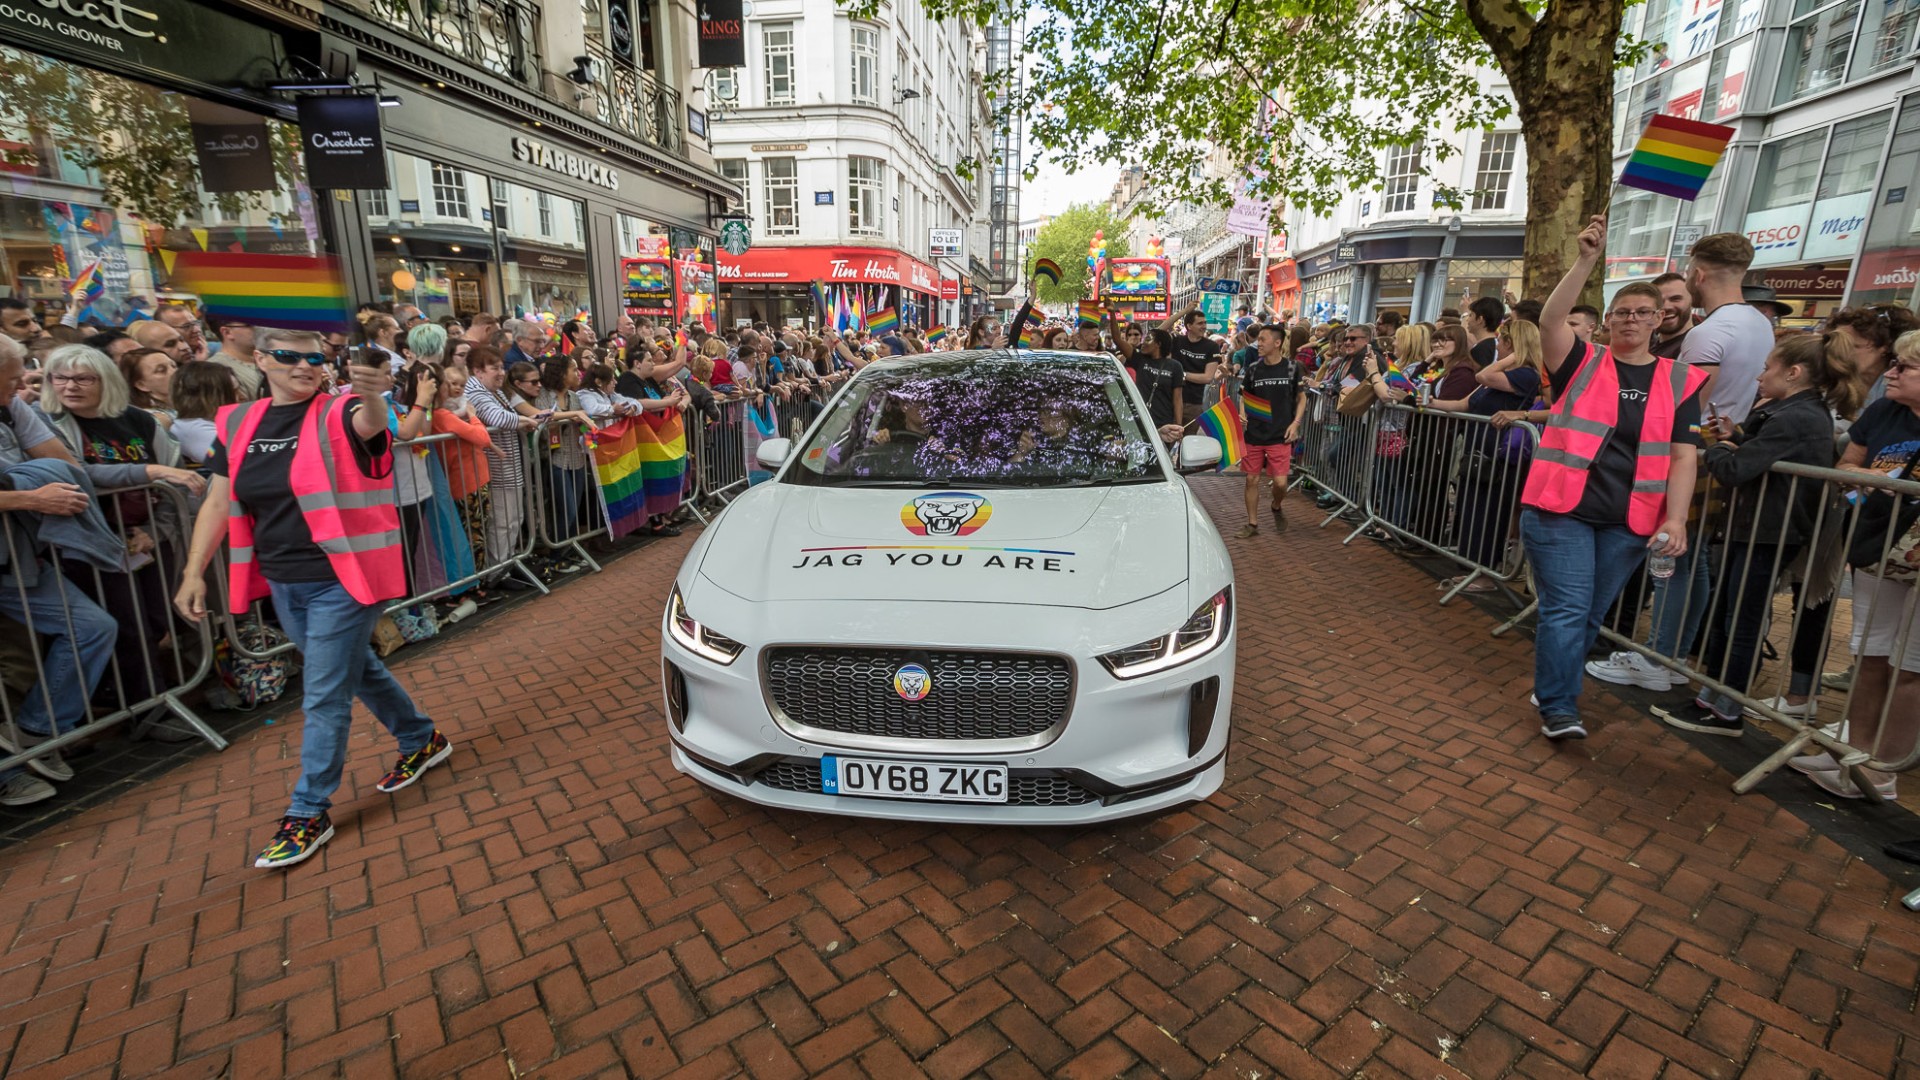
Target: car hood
1075	547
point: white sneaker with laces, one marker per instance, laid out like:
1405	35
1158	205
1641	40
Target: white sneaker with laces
1632	669
1785	708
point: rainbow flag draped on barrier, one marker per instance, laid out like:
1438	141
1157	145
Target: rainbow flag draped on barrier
640	466
1675	156
1223	423
287	292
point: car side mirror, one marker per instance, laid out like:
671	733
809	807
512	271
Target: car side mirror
1197	453
773	452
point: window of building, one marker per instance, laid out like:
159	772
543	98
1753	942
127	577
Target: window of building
726	84
450	192
783	197
1886	33
1853	157
1817	50
777	47
1402	190
735	169
1639	230
543	202
378	205
865	190
866	65
1788	171
1495	172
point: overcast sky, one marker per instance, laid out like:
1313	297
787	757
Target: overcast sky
1053	190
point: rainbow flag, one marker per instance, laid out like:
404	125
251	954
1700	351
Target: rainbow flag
1046	270
1089	315
883	321
937	334
1023	337
91	285
1223	423
1256	405
640	464
1675	156
286	292
1397	379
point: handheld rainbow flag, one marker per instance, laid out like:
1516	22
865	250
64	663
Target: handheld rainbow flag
91	285
640	465
1397	379
1256	405
1088	316
287	292
1223	423
1046	270
1023	338
1675	156
937	335
884	321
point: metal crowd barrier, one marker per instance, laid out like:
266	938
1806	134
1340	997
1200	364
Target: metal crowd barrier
124	656
1336	453
720	459
1750	585
564	501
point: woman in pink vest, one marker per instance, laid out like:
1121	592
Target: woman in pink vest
1610	482
302	491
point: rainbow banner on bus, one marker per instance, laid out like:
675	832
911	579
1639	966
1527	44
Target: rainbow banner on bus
640	466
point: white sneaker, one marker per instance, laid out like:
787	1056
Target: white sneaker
1813	763
1632	669
1785	708
1841	785
23	790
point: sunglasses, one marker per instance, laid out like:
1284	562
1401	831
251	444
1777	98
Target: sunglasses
288	356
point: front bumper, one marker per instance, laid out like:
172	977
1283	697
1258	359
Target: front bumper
1128	747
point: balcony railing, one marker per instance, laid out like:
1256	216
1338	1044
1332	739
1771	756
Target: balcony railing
634	102
501	36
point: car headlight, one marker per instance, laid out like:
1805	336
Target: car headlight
1198	636
698	639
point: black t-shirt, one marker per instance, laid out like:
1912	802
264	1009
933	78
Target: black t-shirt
1610	480
282	544
630	385
1484	353
1159	381
1194	356
1669	347
1526	387
1561	379
126	439
1279	385
1891	434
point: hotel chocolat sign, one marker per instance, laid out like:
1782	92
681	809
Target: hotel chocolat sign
340	140
231	147
178	38
723	34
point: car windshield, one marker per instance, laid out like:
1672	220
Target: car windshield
1037	420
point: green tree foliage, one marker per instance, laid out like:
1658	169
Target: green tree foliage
1064	240
1306	95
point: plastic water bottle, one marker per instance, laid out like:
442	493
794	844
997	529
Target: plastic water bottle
1658	565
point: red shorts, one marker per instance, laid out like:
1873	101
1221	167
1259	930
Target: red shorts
1275	460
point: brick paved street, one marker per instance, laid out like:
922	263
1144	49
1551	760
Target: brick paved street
1400	878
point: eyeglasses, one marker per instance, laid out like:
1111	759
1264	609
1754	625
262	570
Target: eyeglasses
1904	365
73	378
1355	337
1639	314
289	356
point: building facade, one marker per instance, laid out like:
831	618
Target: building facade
1826	151
845	136
525	150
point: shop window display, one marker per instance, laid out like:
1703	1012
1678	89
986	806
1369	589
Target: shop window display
104	190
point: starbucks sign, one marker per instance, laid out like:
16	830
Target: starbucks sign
736	236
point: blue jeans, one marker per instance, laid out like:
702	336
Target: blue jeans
80	639
333	632
1578	570
1680	603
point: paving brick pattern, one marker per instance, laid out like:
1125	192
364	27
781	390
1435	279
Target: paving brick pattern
1399	879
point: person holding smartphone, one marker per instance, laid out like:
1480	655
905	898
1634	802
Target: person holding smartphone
302	490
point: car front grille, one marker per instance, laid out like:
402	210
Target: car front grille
974	696
797	775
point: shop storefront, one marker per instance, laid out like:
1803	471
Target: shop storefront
1326	284
774	284
1283	288
91	98
484	214
1889	264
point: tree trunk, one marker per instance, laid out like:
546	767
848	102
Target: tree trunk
1561	71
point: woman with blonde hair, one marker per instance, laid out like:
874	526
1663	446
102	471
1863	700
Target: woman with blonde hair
1412	345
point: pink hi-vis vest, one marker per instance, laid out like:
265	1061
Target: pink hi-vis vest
1579	427
353	517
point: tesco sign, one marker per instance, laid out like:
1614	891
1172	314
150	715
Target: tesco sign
1777	234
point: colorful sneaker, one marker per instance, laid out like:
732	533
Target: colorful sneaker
410	766
296	841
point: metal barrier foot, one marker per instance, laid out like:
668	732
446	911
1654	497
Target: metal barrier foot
531	577
1793	748
1465	581
1525	613
192	720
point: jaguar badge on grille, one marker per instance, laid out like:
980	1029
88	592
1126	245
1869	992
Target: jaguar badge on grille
912	682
